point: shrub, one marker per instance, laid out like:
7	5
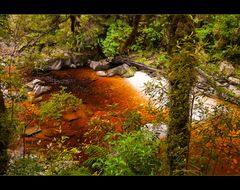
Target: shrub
134	153
58	104
133	120
117	34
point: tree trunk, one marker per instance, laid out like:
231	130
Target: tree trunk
181	79
73	19
133	34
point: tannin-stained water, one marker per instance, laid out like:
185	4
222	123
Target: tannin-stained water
103	97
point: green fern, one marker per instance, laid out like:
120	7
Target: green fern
95	153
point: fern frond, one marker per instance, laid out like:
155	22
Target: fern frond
95	153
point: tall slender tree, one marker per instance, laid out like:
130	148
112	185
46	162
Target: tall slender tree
181	78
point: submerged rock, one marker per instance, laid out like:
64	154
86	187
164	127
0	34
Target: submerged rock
101	73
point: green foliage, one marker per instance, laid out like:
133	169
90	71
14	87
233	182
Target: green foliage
96	155
203	32
133	153
152	35
32	61
75	171
98	127
58	104
24	167
59	160
221	37
133	121
86	37
130	72
4	32
117	34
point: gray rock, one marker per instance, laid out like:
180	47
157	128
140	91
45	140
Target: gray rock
201	79
73	66
9	95
233	80
67	62
119	70
76	59
81	64
99	65
33	83
38	89
226	68
55	65
101	73
235	90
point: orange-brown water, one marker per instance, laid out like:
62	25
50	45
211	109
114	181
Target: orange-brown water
108	98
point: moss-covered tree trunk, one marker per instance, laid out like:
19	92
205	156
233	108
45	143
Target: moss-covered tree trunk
181	77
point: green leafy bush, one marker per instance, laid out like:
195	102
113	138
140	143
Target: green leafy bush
86	36
59	160
133	120
25	167
134	153
150	36
220	36
117	34
59	103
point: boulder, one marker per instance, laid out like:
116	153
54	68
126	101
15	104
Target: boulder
201	79
101	73
67	62
34	82
99	65
235	90
233	80
226	68
55	65
119	70
76	60
38	89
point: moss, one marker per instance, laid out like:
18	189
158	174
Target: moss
130	72
181	75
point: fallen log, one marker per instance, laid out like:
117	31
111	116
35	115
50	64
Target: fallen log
139	66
